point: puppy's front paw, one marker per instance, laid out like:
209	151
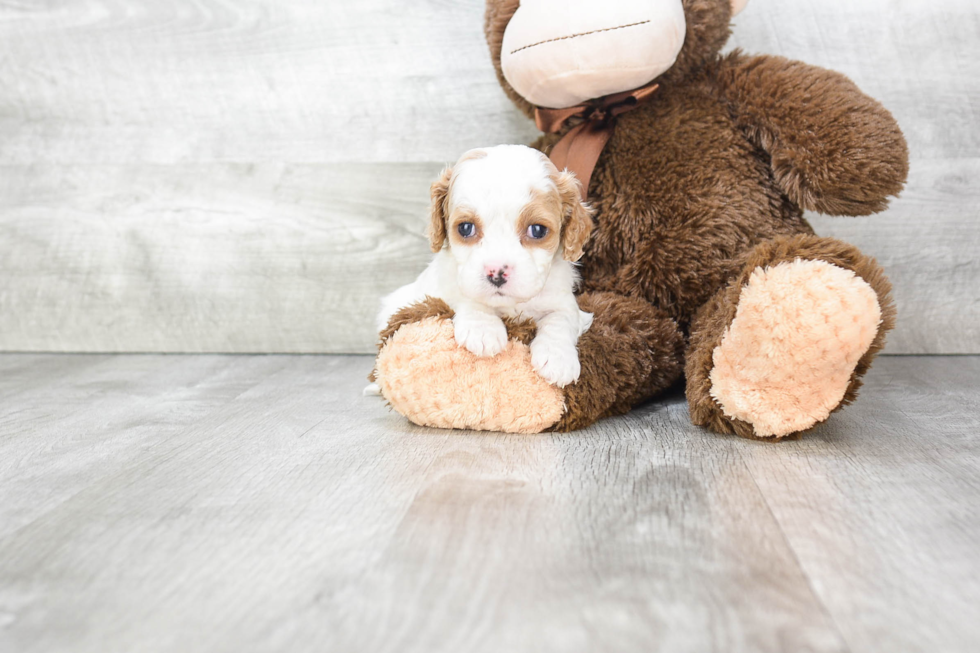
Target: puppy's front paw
484	335
557	363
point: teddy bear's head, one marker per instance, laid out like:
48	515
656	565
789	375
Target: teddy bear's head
559	53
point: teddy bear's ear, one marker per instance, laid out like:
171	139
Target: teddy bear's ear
439	191
738	6
577	224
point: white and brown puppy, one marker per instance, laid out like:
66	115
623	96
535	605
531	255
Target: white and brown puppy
506	227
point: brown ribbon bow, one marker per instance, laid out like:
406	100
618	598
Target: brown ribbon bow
579	149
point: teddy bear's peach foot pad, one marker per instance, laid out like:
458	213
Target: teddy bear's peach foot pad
430	380
785	361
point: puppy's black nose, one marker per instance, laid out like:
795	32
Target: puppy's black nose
497	279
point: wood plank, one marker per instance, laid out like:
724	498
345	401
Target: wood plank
21	373
98	81
271	258
920	58
301	515
641	534
294	258
91	424
927	242
206	176
880	506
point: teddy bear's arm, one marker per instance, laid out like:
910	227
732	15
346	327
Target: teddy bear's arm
833	149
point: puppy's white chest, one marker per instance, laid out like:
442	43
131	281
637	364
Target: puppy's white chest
518	311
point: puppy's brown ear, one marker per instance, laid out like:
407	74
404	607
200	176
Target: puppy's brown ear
439	191
577	221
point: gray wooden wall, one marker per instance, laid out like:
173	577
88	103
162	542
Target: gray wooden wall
249	176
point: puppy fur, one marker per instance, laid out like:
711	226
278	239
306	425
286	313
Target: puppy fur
506	227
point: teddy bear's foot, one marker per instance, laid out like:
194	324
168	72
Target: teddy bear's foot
786	345
788	356
425	375
631	352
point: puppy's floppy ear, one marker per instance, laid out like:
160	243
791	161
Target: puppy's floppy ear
577	216
439	192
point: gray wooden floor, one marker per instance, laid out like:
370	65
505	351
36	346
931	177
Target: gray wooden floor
235	503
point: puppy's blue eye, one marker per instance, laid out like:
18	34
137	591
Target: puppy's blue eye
537	231
466	229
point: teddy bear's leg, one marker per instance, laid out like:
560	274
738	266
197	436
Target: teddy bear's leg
631	352
787	341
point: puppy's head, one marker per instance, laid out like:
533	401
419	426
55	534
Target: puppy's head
507	214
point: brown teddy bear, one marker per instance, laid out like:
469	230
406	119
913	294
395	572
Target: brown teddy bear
700	264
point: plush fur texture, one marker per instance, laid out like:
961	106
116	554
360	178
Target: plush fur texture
632	352
702	187
432	381
416	374
714	318
785	360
